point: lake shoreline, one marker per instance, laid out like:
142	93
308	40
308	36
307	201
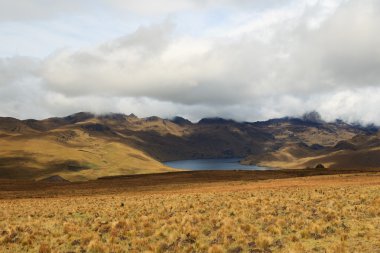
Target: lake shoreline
213	164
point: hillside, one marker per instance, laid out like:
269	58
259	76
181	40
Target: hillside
360	151
85	146
72	148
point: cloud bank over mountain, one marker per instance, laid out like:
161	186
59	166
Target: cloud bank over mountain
247	60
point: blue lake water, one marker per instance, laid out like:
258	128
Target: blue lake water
213	164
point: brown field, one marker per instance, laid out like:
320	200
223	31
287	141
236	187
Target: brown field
195	212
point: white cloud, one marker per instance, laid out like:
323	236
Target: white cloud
164	7
24	10
152	62
278	61
38	9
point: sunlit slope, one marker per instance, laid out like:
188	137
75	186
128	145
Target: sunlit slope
73	154
369	158
358	153
86	146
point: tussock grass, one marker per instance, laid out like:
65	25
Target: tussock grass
226	218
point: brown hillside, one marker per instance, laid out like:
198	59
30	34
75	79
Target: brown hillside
85	146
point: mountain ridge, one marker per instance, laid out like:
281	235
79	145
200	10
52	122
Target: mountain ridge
117	144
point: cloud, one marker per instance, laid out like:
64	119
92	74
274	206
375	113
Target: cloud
164	7
283	60
17	69
23	10
153	62
37	9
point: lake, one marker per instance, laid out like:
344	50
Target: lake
213	164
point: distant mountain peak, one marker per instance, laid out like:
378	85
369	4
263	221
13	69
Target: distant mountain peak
132	116
216	120
78	117
80	114
180	121
113	116
152	119
313	117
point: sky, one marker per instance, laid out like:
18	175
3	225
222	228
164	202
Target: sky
247	60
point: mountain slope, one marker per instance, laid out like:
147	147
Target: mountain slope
86	146
361	151
74	151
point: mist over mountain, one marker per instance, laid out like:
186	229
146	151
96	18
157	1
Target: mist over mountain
85	146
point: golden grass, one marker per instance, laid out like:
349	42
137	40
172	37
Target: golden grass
101	157
319	214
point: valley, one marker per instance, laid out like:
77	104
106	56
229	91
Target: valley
85	146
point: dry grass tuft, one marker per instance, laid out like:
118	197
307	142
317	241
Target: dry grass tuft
44	248
304	215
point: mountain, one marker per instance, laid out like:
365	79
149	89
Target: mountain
78	147
85	146
303	143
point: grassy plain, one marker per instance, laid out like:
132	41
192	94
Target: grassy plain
335	213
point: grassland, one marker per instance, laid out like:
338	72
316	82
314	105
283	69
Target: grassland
335	213
73	154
